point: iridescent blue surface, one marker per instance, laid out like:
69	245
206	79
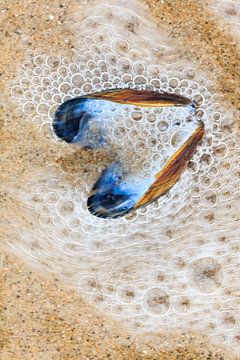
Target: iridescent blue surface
111	195
73	122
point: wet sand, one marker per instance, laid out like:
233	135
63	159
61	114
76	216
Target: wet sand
40	317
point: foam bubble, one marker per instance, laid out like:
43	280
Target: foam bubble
205	274
156	302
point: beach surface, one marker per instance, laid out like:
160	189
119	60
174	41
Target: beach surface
41	317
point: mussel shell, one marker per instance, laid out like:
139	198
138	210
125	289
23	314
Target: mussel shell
70	118
113	196
73	119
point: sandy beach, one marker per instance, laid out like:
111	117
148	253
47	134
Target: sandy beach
42	316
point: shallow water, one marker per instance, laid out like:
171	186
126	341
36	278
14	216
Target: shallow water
171	265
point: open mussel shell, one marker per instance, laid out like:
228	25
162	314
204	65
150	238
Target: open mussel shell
77	120
114	194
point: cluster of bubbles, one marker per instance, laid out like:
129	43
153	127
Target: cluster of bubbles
173	263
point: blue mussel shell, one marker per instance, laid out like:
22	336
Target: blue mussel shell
80	121
72	122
